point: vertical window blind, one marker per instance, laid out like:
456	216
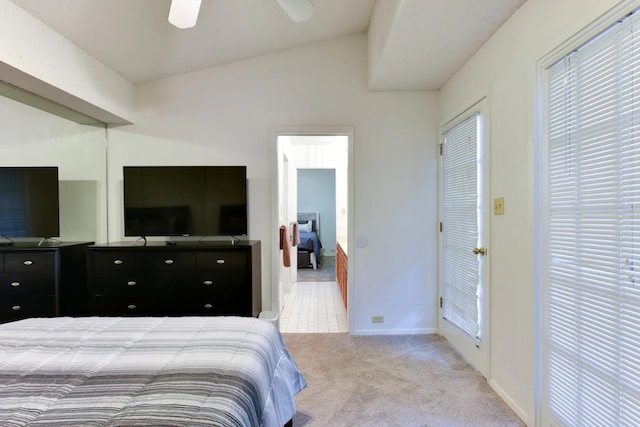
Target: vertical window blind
459	265
592	248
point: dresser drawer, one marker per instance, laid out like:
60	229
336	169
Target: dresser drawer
207	306
129	283
29	261
118	261
176	261
14	308
200	283
221	261
124	306
27	283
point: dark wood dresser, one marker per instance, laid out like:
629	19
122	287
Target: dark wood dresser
43	281
185	279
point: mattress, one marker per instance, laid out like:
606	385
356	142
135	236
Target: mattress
160	371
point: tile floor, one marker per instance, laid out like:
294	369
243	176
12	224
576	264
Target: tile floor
313	307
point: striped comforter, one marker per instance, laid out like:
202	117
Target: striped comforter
181	371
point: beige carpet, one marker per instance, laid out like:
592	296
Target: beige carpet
408	380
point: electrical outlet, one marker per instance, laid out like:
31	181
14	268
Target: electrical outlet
498	206
377	319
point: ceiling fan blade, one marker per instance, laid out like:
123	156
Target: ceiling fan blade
184	13
298	10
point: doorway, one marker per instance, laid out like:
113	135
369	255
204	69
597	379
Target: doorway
312	192
316	202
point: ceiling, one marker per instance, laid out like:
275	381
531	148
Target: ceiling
421	43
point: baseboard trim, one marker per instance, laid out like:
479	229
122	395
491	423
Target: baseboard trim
509	401
417	331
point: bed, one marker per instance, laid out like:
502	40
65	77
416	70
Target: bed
310	247
160	371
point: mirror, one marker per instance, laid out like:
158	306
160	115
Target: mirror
37	132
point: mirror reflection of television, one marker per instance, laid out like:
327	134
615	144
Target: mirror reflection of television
185	200
29	202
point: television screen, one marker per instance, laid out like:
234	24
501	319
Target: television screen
185	200
29	202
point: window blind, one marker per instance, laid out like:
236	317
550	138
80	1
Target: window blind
593	232
459	265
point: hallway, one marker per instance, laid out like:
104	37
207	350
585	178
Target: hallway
313	307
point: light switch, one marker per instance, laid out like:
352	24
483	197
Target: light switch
498	206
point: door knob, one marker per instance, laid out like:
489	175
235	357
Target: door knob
481	251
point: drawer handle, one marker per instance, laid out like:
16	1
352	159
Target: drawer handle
208	282
131	306
16	308
220	261
208	306
28	262
118	262
168	261
131	283
15	284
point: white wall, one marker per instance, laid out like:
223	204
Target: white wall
506	68
30	137
227	115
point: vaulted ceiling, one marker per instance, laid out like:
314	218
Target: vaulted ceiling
413	44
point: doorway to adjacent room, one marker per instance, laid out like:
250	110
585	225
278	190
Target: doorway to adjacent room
313	191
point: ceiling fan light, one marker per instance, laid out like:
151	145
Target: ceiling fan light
184	13
298	10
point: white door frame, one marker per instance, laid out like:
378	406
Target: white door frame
276	302
479	355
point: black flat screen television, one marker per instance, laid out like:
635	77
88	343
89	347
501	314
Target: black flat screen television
29	202
185	200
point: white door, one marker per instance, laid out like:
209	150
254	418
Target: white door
464	245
